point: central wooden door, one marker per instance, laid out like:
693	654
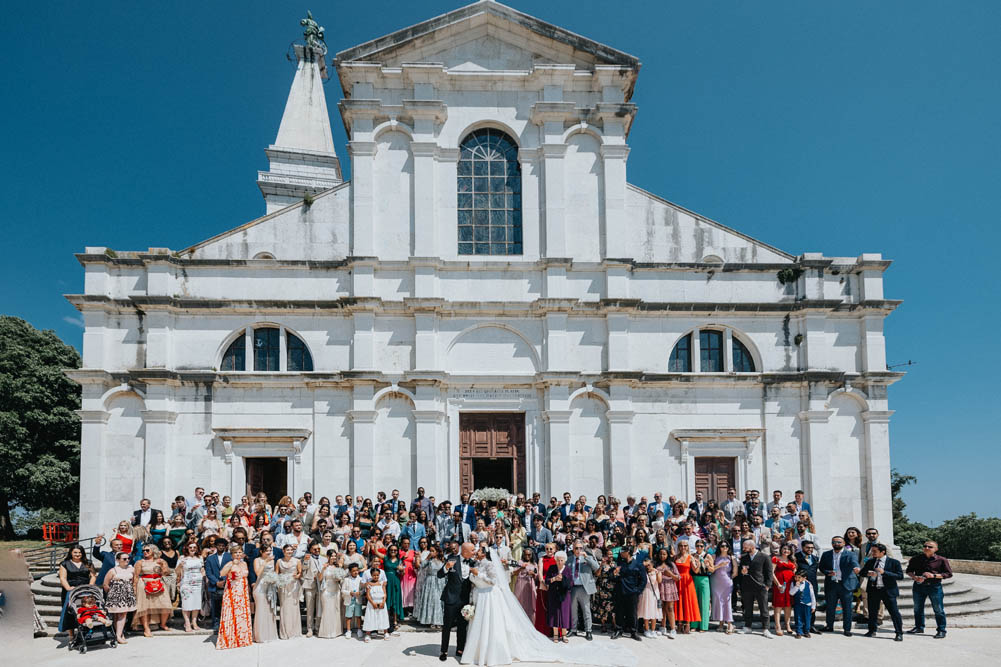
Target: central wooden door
494	445
714	475
269	475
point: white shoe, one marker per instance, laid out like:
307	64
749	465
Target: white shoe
767	634
672	634
746	630
359	634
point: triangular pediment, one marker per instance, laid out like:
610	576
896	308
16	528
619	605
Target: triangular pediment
486	36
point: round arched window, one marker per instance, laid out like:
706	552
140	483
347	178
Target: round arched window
489	194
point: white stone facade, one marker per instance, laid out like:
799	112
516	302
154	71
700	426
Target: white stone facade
406	334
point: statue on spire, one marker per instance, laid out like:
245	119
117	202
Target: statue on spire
313	32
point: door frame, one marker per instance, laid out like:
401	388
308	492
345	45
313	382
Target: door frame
741	443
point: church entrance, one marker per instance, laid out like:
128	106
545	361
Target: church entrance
492	451
714	475
267	474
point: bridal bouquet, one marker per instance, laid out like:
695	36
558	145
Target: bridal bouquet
468	612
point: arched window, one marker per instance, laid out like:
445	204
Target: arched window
489	194
235	358
710	351
681	356
742	361
298	355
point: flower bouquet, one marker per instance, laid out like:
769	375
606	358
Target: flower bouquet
468	612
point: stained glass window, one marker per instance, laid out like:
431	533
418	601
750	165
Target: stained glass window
489	195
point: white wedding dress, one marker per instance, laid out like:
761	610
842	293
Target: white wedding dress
500	632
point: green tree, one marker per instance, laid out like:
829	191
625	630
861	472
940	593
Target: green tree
969	537
39	431
906	533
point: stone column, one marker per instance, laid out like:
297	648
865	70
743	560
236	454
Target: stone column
558	451
158	482
556	243
873	345
614	163
429	464
425	231
879	508
618	342
92	470
362	441
620	432
812	438
363	349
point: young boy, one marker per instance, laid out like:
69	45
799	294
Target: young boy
804	601
351	591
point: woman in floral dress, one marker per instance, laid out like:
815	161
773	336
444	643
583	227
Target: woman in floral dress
430	610
121	597
235	628
190	574
603	600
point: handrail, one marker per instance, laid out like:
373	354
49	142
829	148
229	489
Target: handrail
49	557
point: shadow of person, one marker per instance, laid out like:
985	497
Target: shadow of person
433	650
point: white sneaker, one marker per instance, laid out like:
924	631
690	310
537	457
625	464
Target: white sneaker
649	634
359	634
746	630
672	634
767	634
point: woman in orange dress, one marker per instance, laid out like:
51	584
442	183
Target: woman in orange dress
783	568
686	609
235	628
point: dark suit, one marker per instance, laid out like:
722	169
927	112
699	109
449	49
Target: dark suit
213	565
630	583
754	586
107	559
468	514
892	573
810	566
138	513
454	597
839	591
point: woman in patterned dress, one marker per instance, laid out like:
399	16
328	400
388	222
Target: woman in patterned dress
155	604
429	610
664	562
290	619
603	600
422	556
121	598
235	629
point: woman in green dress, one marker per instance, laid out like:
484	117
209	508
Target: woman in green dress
393	565
702	564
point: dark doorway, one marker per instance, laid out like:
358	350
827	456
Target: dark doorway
494	473
714	475
492	451
269	475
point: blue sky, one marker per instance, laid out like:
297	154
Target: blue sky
840	128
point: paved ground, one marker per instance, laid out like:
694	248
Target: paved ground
966	647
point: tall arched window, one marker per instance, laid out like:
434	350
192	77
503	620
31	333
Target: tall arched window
489	194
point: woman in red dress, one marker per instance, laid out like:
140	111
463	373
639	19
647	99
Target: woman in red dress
686	609
783	568
542	592
235	628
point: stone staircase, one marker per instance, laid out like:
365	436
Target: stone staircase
961	599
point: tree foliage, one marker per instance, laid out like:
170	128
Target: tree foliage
908	534
39	431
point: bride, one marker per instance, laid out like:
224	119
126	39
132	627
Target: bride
500	633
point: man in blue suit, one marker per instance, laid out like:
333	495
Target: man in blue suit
840	568
217	584
883	573
107	558
468	512
802	505
249	551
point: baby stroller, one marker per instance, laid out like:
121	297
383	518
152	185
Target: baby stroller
86	637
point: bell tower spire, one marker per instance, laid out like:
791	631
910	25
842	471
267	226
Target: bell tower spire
302	158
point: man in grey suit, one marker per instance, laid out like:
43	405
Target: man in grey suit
456	530
583	565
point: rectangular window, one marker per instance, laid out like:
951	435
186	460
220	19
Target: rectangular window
711	351
266	350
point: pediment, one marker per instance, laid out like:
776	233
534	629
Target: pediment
486	36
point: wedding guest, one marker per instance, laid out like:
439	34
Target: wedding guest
125	535
376	616
235	628
214	561
151	594
631	580
808	561
668	592
783	569
265	596
73	571
724	570
169	555
542	598
353	593
804	603
331	621
394	568
190	573
108	558
686	609
158	528
525	583
755	580
883	573
145	514
603	600
408	580
517	537
928	570
290	625
312	568
559	582
121	597
646	606
702	564
583	565
429	610
840	567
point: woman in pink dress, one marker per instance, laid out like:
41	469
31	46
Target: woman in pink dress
525	588
408	580
235	628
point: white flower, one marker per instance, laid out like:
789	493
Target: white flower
468	612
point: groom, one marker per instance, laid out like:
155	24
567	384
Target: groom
455	595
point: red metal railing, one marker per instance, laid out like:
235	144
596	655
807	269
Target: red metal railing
53	532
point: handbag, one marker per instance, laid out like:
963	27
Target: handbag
153	584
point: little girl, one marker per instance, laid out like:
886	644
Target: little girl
647	608
376	616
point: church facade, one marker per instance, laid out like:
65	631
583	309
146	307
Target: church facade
487	302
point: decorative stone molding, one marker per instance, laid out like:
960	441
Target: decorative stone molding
557	416
429	416
262	441
815	416
363	416
620	416
159	416
93	416
877	416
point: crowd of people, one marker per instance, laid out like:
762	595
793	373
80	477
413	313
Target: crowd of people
357	567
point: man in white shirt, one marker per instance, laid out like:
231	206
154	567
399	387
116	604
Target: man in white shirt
776	502
296	538
388	525
688	535
144	514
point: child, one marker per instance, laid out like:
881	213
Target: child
351	592
649	602
88	613
376	616
804	601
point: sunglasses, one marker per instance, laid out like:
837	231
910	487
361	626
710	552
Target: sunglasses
929	546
